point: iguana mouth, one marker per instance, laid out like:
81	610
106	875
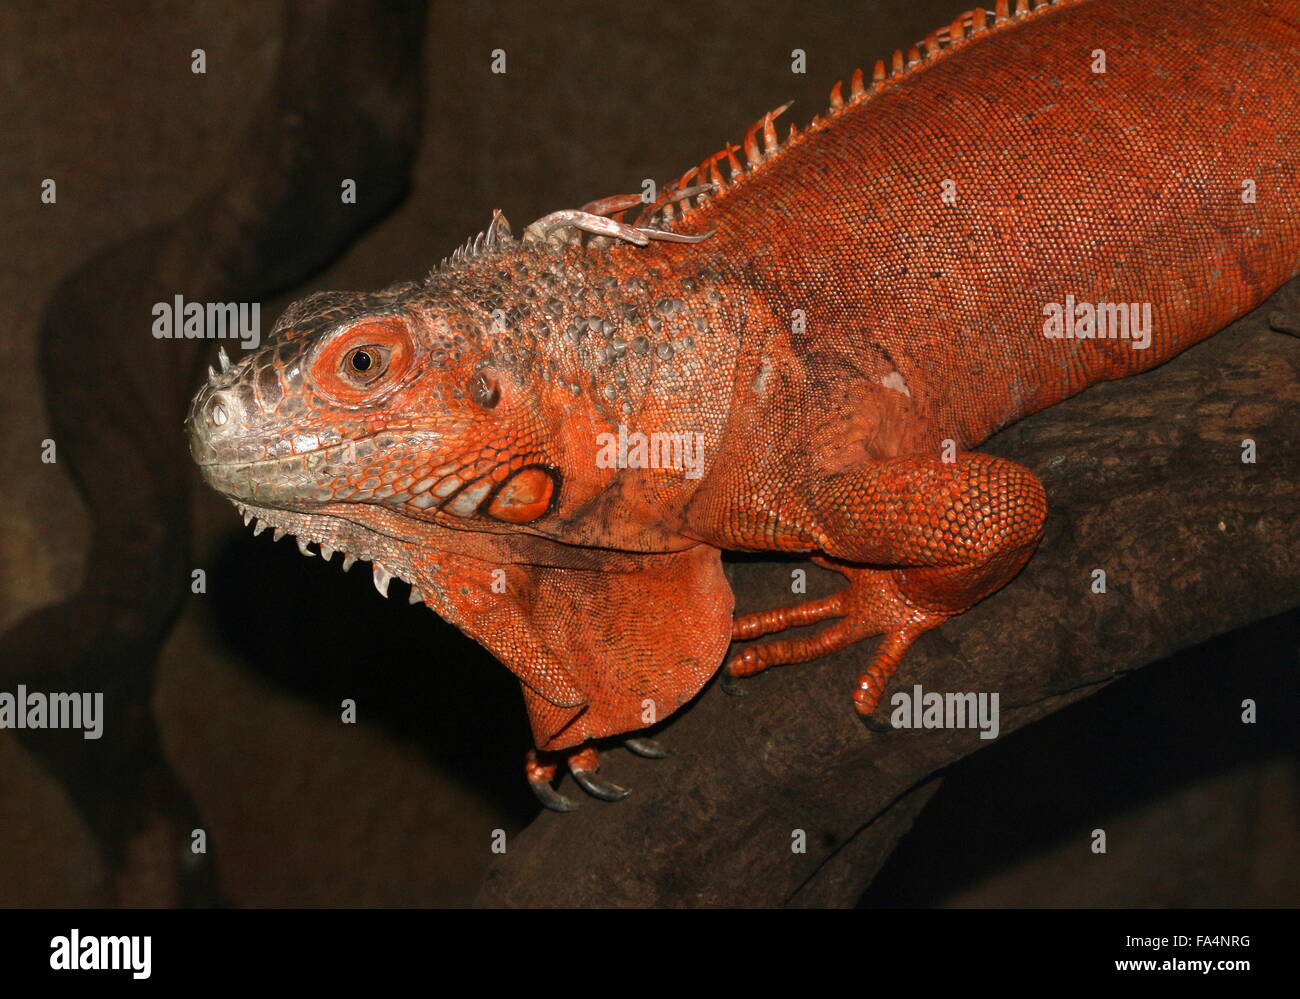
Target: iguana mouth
288	459
309	479
332	533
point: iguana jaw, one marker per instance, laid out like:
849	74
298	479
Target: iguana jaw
389	553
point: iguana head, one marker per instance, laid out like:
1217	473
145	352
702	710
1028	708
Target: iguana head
384	410
377	398
471	402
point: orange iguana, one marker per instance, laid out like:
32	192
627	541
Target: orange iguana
553	438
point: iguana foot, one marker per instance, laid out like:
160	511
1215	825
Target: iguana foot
871	604
541	769
958	529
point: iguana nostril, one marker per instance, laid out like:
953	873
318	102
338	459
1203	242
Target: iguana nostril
218	414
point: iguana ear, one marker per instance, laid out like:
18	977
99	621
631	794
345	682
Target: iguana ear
599	652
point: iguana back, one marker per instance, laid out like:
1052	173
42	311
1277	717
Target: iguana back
1113	152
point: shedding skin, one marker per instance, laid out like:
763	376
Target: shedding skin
796	348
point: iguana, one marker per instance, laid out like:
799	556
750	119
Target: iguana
792	348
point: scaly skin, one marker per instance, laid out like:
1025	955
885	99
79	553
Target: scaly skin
867	305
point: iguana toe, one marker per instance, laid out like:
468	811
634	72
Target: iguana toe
540	773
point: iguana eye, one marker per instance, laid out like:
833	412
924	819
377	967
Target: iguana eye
484	389
365	364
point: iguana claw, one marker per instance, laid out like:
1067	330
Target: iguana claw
648	748
728	679
540	774
874	724
583	764
600	789
551	798
730	684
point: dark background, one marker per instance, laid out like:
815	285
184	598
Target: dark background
399	809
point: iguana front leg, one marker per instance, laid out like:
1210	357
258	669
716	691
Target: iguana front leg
953	533
608	645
